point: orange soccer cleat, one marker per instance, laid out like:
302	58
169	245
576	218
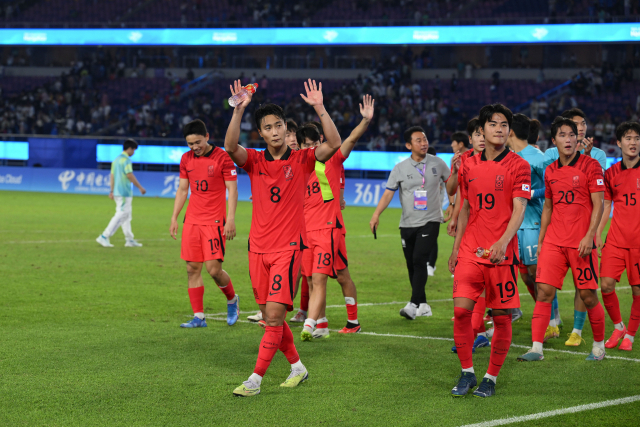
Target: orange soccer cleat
616	336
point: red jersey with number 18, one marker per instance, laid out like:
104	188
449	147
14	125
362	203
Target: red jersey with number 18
490	187
318	213
570	188
207	175
622	187
278	188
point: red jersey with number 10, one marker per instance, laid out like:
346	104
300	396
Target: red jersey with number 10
570	188
622	187
490	187
207	175
278	188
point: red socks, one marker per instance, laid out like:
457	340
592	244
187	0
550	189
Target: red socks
228	291
477	316
304	295
499	344
540	321
352	312
463	336
634	320
196	296
271	341
287	346
612	305
596	318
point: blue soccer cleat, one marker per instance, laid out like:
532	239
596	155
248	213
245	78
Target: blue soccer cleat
480	341
196	322
233	312
465	383
487	388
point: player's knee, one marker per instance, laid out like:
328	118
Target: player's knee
607	285
589	297
545	293
194	269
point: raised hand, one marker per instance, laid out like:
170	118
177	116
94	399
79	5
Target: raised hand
366	108
314	93
236	88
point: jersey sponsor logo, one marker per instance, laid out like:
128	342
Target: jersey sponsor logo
600	181
473	179
525	187
499	182
210	170
619	184
288	172
190	170
233	172
261	173
576	181
292	244
409	176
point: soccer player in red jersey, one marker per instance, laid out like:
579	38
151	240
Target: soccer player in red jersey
290	139
495	187
622	250
574	194
209	172
277	226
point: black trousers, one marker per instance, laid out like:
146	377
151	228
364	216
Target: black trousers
418	244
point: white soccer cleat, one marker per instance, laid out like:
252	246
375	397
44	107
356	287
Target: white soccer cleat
321	333
431	271
104	241
132	244
300	317
424	310
255	317
409	311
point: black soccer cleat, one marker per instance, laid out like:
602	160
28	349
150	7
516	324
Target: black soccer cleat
465	383
487	388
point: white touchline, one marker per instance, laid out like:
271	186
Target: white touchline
35	242
570	410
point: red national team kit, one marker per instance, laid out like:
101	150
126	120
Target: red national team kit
277	227
203	236
570	188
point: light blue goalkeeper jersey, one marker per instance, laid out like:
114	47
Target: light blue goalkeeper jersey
551	155
120	167
532	214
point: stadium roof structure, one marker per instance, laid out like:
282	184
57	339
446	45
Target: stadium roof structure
445	35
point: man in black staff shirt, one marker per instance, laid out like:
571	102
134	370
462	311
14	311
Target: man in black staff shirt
418	178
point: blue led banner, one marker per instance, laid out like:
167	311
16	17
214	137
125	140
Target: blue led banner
480	34
10	150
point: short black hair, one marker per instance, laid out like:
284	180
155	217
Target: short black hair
292	126
268	110
318	126
534	131
572	112
625	127
520	126
411	131
307	131
130	143
487	112
195	127
431	151
461	137
472	126
560	121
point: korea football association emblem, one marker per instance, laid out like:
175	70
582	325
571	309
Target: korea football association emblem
288	172
499	182
576	181
210	170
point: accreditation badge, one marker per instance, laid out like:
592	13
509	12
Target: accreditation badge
420	200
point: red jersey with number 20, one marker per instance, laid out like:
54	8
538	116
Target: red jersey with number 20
207	175
278	188
490	187
622	187
318	213
570	188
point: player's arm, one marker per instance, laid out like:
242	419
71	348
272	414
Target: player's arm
603	223
343	204
463	219
386	198
232	204
451	228
499	248
131	177
452	182
314	98
181	197
545	220
111	185
586	244
237	152
366	110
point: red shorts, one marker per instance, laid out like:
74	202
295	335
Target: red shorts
615	260
326	252
499	281
274	276
554	261
202	243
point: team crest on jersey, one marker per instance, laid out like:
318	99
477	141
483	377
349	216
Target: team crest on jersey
576	181
499	182
210	170
288	172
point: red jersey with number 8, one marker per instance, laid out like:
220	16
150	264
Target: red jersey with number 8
490	187
622	187
278	188
570	188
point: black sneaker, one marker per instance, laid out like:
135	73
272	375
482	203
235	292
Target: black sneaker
467	381
487	388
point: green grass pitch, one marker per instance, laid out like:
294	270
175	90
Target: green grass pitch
90	336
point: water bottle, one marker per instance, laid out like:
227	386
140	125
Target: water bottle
239	97
485	253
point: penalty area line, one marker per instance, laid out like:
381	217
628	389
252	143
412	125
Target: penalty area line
547	414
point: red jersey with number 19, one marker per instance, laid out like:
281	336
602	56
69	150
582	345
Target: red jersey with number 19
278	188
570	188
622	187
207	175
490	187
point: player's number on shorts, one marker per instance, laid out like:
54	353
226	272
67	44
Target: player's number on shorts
533	253
509	289
215	245
629	199
324	259
585	274
313	188
202	185
638	267
489	201
276	285
275	194
568	197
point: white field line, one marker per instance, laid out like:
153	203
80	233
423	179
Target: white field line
628	359
547	414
